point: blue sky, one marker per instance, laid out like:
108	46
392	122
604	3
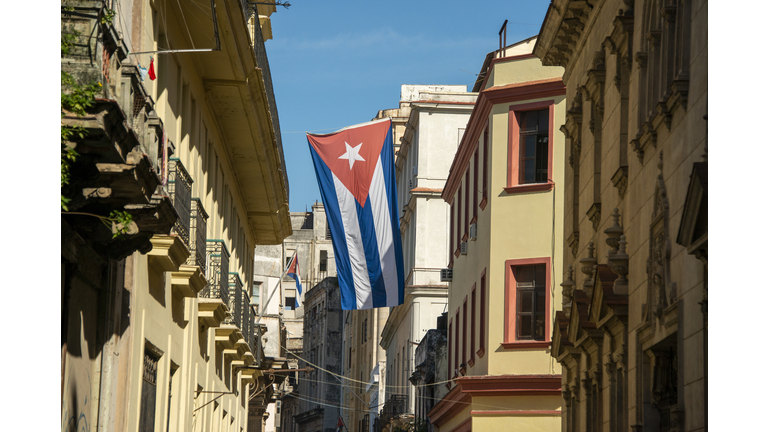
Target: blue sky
336	63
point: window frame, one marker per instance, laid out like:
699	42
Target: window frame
475	164
466	206
473	312
510	304
513	148
481	336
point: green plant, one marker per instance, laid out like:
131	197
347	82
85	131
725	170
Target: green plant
107	16
76	99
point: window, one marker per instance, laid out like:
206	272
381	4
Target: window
450	251
481	347
529	281
534	143
485	165
456	343
323	261
290	303
475	186
148	391
527	308
466	205
458	222
473	305
529	165
464	357
450	347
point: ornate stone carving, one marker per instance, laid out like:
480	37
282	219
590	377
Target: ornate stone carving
594	215
619	181
614	232
620	266
568	285
588	264
573	243
661	291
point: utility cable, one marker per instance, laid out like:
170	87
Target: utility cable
358	381
183	18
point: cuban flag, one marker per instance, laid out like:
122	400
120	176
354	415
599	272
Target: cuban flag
355	170
293	272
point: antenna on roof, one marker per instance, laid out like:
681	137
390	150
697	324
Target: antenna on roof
503	48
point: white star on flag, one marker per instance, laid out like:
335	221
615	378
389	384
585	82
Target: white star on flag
352	154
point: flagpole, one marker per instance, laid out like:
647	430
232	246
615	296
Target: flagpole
264	307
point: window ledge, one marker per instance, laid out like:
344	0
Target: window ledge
525	344
483	203
464	238
471	362
480	353
532	187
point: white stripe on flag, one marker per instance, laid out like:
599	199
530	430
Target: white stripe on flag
383	223
359	267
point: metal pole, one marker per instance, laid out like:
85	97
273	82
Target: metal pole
264	306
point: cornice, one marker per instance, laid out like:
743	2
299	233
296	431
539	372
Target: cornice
488	98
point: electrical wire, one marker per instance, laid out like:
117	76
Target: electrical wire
184	19
358	381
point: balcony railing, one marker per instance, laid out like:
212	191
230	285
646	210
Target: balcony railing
235	301
180	190
198	224
247	326
218	272
396	405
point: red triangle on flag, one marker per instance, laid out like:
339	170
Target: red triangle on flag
352	155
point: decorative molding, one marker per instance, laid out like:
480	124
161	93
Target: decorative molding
188	281
573	243
620	180
594	215
168	252
587	265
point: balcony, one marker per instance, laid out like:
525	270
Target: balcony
235	301
118	164
248	327
198	224
180	192
392	414
213	302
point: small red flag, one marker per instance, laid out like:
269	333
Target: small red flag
151	72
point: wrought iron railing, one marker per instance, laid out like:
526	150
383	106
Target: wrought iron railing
247	326
180	190
396	405
235	301
198	224
218	271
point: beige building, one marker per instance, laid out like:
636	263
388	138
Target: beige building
157	328
505	191
633	335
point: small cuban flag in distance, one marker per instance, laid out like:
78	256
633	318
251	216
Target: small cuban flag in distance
293	272
355	170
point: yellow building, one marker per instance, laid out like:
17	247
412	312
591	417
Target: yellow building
505	191
157	329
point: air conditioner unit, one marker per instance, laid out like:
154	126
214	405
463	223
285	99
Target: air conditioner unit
415	170
446	275
473	231
463	248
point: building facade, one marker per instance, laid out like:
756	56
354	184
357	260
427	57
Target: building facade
282	305
437	116
506	211
431	363
157	329
319	394
632	338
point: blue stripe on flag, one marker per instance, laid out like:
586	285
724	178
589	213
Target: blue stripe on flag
331	203
368	232
388	165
